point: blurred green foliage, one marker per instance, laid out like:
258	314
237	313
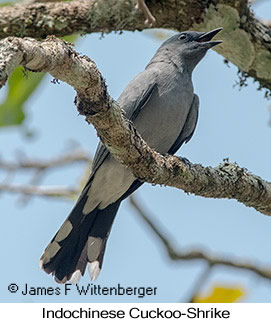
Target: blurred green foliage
21	85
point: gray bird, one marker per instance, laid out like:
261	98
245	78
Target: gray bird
161	103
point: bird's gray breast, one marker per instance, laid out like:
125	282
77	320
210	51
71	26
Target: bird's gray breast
163	117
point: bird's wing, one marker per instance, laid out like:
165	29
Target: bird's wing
189	126
132	111
99	157
131	108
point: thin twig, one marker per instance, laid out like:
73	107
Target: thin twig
201	280
41	167
178	255
44	191
150	19
35	181
75	156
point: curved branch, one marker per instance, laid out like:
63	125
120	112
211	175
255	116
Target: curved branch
59	59
211	260
246	41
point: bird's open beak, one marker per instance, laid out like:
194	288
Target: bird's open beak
205	38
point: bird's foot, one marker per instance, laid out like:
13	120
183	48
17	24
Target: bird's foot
184	160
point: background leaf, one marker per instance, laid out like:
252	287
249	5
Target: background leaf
20	87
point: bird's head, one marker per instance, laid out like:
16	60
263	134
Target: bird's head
189	47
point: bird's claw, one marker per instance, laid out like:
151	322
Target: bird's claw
184	160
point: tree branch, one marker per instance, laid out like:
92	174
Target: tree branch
211	260
118	134
44	191
201	280
40	167
246	41
71	157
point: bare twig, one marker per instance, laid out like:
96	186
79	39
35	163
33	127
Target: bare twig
40	167
211	260
148	15
35	181
201	280
44	191
69	158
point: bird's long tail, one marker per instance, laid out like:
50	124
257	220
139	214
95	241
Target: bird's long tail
81	240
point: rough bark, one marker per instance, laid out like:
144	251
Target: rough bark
125	143
246	41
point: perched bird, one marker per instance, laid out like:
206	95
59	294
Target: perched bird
161	103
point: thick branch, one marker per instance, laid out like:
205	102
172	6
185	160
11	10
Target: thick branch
121	138
246	41
211	260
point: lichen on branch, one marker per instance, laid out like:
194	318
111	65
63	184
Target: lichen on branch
119	135
246	40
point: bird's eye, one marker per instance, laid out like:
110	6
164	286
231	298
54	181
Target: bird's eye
182	36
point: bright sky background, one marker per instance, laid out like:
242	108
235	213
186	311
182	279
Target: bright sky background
232	124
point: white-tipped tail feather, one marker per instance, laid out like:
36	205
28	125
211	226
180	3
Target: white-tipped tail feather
76	276
41	264
81	241
94	269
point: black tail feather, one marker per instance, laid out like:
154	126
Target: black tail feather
76	250
84	241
